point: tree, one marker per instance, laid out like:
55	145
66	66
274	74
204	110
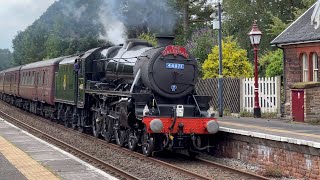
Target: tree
200	43
239	16
235	62
195	14
271	64
67	27
277	26
5	59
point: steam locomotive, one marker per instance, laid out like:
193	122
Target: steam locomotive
134	94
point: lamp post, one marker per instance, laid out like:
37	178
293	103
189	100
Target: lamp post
255	37
217	25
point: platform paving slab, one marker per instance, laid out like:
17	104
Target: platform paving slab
64	165
273	129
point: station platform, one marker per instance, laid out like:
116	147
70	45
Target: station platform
273	129
23	156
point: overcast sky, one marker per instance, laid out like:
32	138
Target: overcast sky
16	15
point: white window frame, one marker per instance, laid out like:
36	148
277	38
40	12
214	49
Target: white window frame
315	67
305	68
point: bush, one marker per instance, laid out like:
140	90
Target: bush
149	37
234	61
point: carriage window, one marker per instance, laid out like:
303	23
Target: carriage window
38	78
24	78
43	78
32	78
47	78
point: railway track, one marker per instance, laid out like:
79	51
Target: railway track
183	160
237	171
83	155
116	171
91	159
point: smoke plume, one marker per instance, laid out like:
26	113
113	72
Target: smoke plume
117	15
115	19
114	28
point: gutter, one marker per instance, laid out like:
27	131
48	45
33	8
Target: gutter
279	45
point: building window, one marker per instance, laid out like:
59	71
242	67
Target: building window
305	68
315	66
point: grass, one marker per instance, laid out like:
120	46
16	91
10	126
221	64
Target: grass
314	122
273	171
263	115
246	114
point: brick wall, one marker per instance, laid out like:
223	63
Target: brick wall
293	160
293	71
293	68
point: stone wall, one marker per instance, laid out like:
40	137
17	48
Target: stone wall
292	160
312	104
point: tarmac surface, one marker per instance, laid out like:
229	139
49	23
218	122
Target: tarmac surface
274	129
23	156
8	171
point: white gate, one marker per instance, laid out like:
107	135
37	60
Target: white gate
269	94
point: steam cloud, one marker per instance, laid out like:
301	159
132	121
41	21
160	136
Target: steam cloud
114	29
116	15
69	9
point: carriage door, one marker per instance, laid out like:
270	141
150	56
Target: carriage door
36	79
44	84
34	85
81	85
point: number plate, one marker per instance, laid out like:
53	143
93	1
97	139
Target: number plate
174	66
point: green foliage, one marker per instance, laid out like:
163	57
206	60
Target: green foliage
273	171
199	12
277	26
239	16
59	31
200	43
271	64
299	11
6	60
149	37
234	61
246	114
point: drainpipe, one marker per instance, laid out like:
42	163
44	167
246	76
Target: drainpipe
284	81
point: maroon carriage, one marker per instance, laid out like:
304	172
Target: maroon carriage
10	84
38	80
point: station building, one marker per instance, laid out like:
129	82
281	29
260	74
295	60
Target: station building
300	43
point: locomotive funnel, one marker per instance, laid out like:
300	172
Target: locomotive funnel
164	40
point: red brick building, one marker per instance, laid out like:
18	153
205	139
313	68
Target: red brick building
301	46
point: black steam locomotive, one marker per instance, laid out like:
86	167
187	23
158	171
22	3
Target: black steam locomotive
134	94
146	97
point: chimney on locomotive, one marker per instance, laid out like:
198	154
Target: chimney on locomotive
164	40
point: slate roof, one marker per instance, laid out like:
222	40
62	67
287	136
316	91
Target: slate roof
299	31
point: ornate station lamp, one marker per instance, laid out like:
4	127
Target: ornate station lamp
255	37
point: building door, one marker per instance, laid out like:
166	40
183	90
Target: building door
298	105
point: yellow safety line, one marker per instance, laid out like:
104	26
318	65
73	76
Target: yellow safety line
269	129
30	168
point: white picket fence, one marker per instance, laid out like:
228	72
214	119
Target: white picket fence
269	94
